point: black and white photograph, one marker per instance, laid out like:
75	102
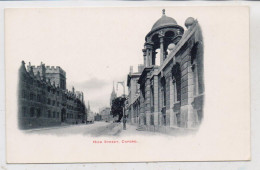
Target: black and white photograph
164	94
96	81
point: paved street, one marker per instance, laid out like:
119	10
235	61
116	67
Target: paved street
95	129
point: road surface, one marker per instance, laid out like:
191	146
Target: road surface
96	129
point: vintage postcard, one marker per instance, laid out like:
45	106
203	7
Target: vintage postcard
127	84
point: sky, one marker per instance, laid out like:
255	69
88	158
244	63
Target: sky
95	46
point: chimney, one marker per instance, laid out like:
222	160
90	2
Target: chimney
140	68
131	69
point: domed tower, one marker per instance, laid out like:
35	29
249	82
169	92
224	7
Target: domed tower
164	32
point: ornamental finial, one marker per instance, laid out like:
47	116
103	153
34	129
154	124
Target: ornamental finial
163	11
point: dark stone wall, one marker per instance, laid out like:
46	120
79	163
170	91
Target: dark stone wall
40	103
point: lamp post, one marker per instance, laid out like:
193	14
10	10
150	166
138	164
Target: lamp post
124	117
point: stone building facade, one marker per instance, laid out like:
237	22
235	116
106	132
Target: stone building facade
105	114
43	99
97	117
172	91
133	106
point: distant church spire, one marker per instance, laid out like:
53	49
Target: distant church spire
113	94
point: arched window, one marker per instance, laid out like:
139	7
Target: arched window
176	77
163	84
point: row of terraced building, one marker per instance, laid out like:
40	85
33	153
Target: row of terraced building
43	99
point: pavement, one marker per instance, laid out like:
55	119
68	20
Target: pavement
96	129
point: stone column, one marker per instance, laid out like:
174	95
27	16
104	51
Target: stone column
142	109
192	114
147	101
148	58
195	78
144	54
151	57
172	114
161	105
149	49
156	101
175	101
137	113
161	49
189	114
132	114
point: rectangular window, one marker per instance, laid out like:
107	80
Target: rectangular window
32	112
31	96
38	112
49	113
24	111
